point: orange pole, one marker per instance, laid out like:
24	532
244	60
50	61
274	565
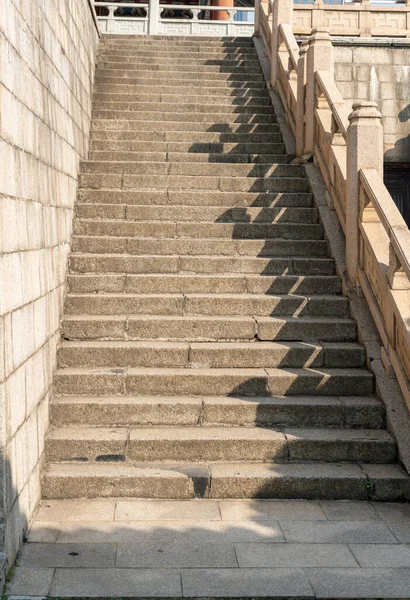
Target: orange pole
221	15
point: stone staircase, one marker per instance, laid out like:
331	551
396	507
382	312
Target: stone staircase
206	348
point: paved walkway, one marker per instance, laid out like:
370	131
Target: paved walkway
209	548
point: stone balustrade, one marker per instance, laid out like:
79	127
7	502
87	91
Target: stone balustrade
347	146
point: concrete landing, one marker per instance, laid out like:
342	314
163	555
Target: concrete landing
210	548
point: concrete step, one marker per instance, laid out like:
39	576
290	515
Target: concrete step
199	198
215	444
224	480
196	157
198	214
220	355
286	411
123	263
222	382
111	147
203	284
113	100
192	246
207	304
204	327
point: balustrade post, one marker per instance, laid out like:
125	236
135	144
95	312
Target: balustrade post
300	104
257	16
282	14
319	57
364	151
153	17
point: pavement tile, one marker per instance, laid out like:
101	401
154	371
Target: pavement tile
237	583
105	583
297	555
43	532
28	581
42	556
76	510
265	510
360	583
146	532
227	531
397	517
337	532
178	553
167	510
382	555
348	510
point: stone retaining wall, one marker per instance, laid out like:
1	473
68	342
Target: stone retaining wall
47	57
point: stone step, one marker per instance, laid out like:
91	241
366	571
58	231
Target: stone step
164	229
137	84
113	100
117	181
194	134
106	148
161	118
197	214
207	304
121	263
286	411
203	284
188	169
191	246
131	55
135	77
197	157
223	480
215	444
205	327
196	69
111	58
133	108
220	355
198	198
130	43
197	90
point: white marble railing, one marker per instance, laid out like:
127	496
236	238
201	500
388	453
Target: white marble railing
176	19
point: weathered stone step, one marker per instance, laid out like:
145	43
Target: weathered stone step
155	43
355	412
219	355
198	91
131	55
154	181
223	480
215	444
194	134
207	328
167	229
198	198
156	76
225	117
192	246
203	284
207	304
199	214
119	61
120	263
107	148
196	157
133	108
138	84
115	100
195	69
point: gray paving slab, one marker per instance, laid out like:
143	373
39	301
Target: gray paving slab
360	583
382	555
297	555
239	583
44	532
177	554
147	532
30	581
227	531
167	510
337	532
149	583
348	510
265	510
76	510
397	517
42	556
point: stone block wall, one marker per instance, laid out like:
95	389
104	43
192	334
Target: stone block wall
47	59
380	73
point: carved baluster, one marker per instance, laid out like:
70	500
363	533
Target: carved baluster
396	276
111	18
300	105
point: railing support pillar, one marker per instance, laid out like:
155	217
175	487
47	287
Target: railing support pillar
319	57
257	16
282	14
364	151
153	17
300	106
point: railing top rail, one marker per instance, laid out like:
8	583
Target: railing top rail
197	7
334	99
122	4
286	32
